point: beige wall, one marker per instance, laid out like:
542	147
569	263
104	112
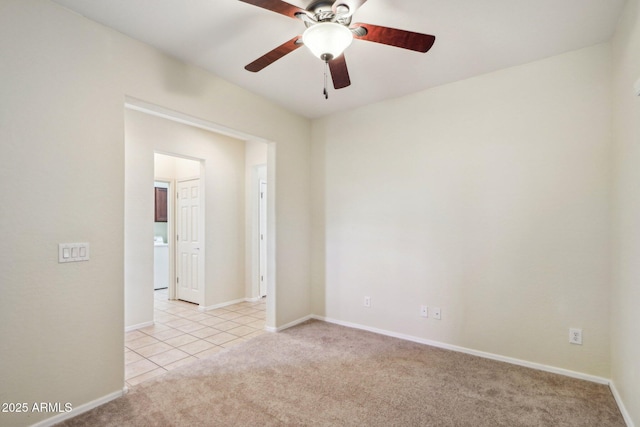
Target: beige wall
487	198
625	303
172	167
63	83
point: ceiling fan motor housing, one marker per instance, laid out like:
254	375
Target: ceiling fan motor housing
322	11
320	6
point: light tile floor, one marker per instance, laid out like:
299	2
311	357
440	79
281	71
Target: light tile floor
181	334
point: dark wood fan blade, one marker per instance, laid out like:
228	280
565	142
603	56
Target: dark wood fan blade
277	6
393	37
353	5
272	56
339	72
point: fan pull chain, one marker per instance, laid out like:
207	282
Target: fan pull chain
326	67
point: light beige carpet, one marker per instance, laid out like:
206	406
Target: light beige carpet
319	374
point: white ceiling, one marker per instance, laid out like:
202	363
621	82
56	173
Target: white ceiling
473	37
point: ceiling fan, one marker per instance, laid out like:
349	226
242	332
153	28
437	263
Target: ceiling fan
330	31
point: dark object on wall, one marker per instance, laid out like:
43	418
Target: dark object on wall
161	205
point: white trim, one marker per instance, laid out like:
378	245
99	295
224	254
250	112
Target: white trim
80	409
228	303
288	325
176	116
171	227
513	361
138	326
623	410
261	234
221	305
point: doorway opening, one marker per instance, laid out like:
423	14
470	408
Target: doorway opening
179	241
161	222
232	165
229	163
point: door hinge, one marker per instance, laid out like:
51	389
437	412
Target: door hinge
262	237
262	278
177	195
177	280
261	194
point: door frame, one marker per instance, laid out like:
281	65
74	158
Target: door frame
263	235
170	230
258	175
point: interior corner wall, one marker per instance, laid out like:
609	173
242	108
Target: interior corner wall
625	315
487	198
63	84
224	167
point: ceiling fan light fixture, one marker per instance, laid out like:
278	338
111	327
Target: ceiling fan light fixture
327	40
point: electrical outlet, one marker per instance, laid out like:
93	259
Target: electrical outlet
424	311
436	313
367	301
575	336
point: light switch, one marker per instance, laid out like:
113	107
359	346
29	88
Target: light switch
73	252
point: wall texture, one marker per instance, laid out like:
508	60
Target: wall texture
63	83
625	303
487	198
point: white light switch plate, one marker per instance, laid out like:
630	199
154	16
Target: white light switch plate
73	252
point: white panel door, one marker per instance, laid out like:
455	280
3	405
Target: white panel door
263	238
190	262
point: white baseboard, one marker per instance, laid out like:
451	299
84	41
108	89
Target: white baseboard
561	371
288	325
221	305
225	304
138	326
514	361
80	409
623	409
